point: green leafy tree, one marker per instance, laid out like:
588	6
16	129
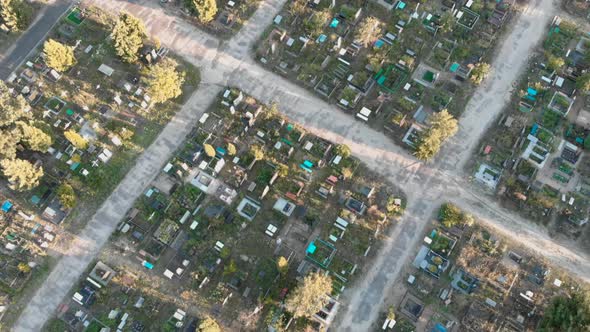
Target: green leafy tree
12	107
58	56
9	138
77	141
368	31
128	34
21	173
15	15
310	296
208	325
205	9
479	72
450	215
442	126
567	313
164	81
66	195
583	82
209	150
35	138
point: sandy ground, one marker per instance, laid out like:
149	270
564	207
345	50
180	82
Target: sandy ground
427	185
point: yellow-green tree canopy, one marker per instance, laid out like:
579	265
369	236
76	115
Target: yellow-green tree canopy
209	150
282	265
13	107
368	31
77	141
66	195
58	56
9	138
21	173
480	72
231	149
206	9
15	15
34	138
164	81
208	325
442	126
310	296
128	34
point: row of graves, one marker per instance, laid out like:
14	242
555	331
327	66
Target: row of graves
108	299
247	187
466	278
535	156
24	244
390	67
98	112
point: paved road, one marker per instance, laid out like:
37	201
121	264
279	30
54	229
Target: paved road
427	185
45	20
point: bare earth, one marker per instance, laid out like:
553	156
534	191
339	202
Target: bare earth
427	185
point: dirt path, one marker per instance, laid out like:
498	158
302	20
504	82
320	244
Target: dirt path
425	185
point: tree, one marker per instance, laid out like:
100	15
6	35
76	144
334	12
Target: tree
77	141
13	108
21	173
368	31
310	296
298	7
206	9
209	150
314	25
450	215
583	82
231	149
208	325
479	72
567	313
283	170
23	267
35	138
554	62
58	56
128	34
164	81
257	152
230	268
15	15
66	195
342	150
391	313
9	138
346	173
442	126
282	265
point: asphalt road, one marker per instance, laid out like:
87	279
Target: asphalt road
427	185
43	23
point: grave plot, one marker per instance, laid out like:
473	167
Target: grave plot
367	59
279	204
